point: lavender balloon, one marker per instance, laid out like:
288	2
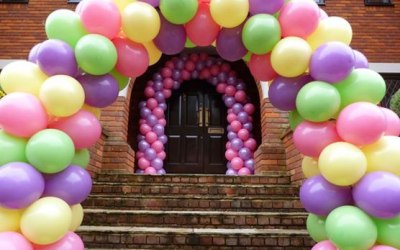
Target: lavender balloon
163	106
152	120
232	135
171	38
73	185
157	163
163	139
249	164
361	60
143	145
32	57
243	117
20	185
320	197
158	129
150	154
266	7
248	126
161	171
159	96
100	91
237	107
332	62
231	172
145	112
229	101
56	57
158	85
245	154
154	3
236	144
229	44
378	194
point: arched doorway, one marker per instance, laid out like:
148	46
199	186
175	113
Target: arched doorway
238	70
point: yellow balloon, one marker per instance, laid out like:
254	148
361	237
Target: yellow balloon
10	219
62	95
331	29
93	110
384	155
77	217
121	4
46	220
229	13
310	167
140	22
154	53
342	163
22	76
291	56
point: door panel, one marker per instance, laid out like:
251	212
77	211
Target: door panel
192	110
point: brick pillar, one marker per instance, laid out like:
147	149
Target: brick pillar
293	158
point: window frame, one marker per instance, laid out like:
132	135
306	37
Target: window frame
320	2
378	3
14	1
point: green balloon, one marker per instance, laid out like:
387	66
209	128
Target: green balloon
318	101
96	54
349	228
294	119
247	57
178	11
12	148
65	25
121	79
50	151
81	158
189	44
389	231
362	85
260	33
316	227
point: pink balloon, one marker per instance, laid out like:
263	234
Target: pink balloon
231	117
133	59
158	146
166	72
228	145
230	154
221	87
240	96
139	155
311	138
244	171
299	18
149	92
261	68
251	144
143	163
230	91
150	171
142	121
392	122
100	17
71	241
83	128
249	108
185	75
167	93
22	114
237	163
14	241
144	129
382	247
151	103
158	112
202	30
324	245
162	155
190	66
215	70
236	126
168	83
243	134
205	74
361	123
162	122
151	137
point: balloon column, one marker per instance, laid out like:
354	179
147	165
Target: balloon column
49	117
241	145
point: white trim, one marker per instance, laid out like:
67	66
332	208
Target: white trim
264	89
385	67
124	92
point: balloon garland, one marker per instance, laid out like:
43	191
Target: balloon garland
241	145
49	117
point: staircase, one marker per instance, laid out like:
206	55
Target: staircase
194	212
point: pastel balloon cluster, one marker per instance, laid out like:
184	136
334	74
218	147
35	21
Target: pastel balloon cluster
152	138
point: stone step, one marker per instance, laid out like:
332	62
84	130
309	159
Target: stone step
224	203
193	238
193	189
200	219
269	178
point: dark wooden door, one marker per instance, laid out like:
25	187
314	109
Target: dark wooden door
196	130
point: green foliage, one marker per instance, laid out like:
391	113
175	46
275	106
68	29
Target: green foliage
395	102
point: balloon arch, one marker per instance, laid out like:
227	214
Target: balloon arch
49	117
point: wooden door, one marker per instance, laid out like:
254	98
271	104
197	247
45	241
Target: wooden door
196	130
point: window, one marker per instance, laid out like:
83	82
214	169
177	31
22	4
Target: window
320	2
74	1
392	86
14	1
378	2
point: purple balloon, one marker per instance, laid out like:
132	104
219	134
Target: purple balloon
142	104
245	154
140	171
213	80
143	145
249	164
156	77
229	44
283	91
332	62
163	106
140	137
243	117
157	163
158	129
241	86
378	194
20	185
232	135
222	77
232	81
199	66
266	7
320	197
171	38
229	101
176	85
163	139
150	154
179	64
145	112
231	172
176	74
236	144
154	3
248	126
73	185
161	171
152	120
100	91
159	96
56	57
32	57
195	74
361	60
237	108
158	85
